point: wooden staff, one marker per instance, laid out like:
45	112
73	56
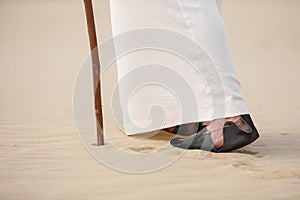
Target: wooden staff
96	69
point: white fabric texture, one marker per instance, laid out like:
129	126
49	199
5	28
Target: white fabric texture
199	20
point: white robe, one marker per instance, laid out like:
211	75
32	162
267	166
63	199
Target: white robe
213	93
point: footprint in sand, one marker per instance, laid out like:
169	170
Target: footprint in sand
142	149
266	172
256	154
247	165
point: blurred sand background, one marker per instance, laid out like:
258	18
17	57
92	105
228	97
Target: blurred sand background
43	44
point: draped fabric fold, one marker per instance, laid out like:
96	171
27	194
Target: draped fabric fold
159	88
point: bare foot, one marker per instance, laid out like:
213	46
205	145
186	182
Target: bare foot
170	129
185	129
216	129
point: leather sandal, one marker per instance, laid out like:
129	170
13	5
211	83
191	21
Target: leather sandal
234	137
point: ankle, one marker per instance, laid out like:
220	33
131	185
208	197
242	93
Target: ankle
239	122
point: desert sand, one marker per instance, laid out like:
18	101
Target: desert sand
43	45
